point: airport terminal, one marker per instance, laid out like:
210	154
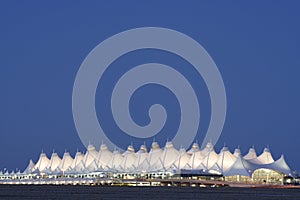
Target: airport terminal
155	167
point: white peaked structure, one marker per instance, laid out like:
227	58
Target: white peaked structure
226	160
279	165
141	155
182	159
194	148
42	163
196	158
240	167
66	162
92	167
90	156
77	160
30	167
77	165
116	161
54	162
211	157
208	148
79	168
129	159
104	157
169	155
265	158
237	152
154	156
251	154
161	161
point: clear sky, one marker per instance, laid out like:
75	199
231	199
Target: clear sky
256	47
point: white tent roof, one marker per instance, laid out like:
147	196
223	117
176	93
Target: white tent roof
265	158
104	157
194	148
237	152
42	163
29	168
144	166
241	167
169	155
182	159
168	159
79	168
158	166
142	155
226	159
92	167
116	160
196	157
54	162
208	148
77	159
154	154
211	158
251	154
66	162
215	169
129	159
280	165
90	156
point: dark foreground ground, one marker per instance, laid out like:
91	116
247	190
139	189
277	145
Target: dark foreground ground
101	192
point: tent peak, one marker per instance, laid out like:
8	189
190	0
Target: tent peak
266	149
169	144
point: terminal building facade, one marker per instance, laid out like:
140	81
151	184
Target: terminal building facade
158	163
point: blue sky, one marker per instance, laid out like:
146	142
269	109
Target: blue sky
255	46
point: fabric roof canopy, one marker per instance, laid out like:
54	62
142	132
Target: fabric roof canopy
104	157
159	160
251	154
265	158
29	168
66	162
54	162
90	155
42	163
